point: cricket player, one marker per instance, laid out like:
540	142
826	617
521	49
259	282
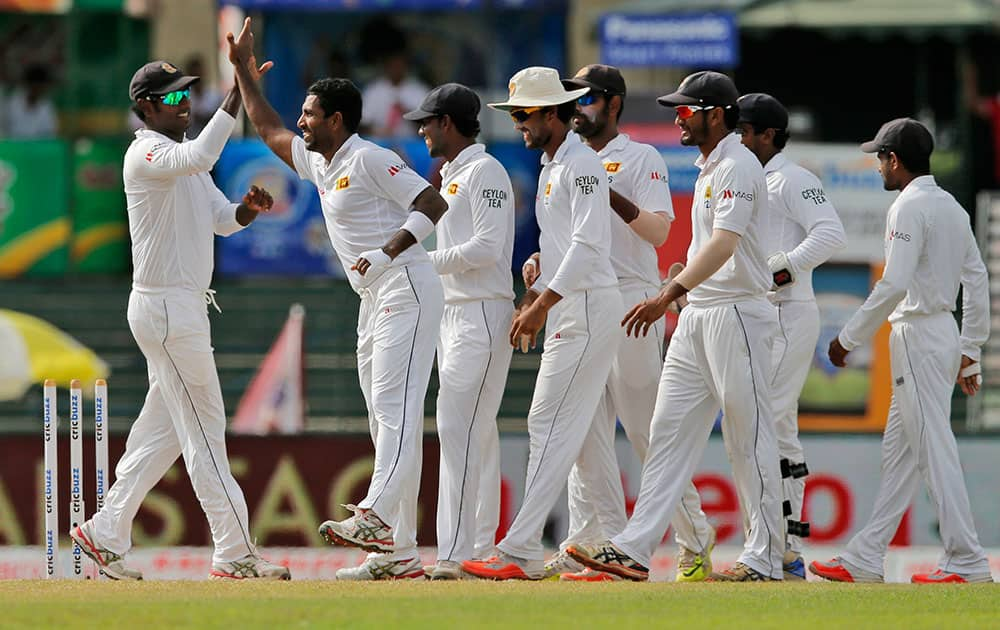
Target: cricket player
720	354
174	213
929	251
475	242
801	231
640	197
377	212
576	299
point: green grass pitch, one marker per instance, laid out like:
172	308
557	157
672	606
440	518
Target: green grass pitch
475	604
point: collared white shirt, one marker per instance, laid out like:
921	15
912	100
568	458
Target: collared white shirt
637	172
800	222
475	237
573	209
174	207
929	251
366	192
730	194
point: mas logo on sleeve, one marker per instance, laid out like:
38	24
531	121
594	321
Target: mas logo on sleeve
895	235
343	183
452	189
395	168
729	193
655	176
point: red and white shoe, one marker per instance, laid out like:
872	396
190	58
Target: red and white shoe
944	577
364	530
505	567
376	568
839	570
589	575
249	567
108	562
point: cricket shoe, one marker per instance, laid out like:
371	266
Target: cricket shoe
561	563
794	567
739	572
383	569
589	575
945	577
108	562
840	570
446	570
249	567
505	567
365	530
693	566
607	558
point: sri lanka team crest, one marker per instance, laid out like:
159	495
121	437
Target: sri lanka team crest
343	183
612	167
452	189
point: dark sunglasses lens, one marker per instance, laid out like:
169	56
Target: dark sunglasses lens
587	99
520	115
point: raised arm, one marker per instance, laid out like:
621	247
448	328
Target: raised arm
265	120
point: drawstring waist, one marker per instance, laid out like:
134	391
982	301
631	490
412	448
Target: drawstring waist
207	294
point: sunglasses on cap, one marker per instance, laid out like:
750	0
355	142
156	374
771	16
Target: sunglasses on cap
523	114
687	111
171	98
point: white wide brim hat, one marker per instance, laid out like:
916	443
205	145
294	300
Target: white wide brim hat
537	87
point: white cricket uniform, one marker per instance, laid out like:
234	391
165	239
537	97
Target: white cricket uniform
929	251
174	213
596	499
581	332
475	240
366	192
720	355
803	224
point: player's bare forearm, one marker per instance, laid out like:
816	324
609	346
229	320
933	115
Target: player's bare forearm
709	259
527	299
231	104
652	227
431	203
262	116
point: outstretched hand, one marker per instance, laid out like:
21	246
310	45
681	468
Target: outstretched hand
241	51
258	199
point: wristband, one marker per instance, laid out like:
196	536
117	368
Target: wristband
419	225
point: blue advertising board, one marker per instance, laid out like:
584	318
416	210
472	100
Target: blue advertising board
292	239
680	41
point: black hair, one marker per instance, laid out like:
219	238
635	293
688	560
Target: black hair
916	164
466	127
339	95
565	111
731	116
781	136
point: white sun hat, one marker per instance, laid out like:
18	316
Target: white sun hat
537	86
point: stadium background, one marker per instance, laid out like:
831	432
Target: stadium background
841	67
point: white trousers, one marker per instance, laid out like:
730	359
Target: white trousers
397	333
183	415
918	443
794	348
581	341
718	357
596	497
474	355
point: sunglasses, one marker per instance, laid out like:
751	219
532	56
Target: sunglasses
172	98
521	115
591	97
687	111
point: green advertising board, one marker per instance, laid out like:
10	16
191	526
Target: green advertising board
100	222
34	208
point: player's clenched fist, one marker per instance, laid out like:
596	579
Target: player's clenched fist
374	259
258	199
644	314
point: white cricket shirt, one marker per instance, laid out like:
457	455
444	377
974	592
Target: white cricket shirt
475	237
730	194
929	251
637	172
801	222
174	207
365	192
573	210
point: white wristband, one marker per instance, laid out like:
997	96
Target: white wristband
419	225
971	370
